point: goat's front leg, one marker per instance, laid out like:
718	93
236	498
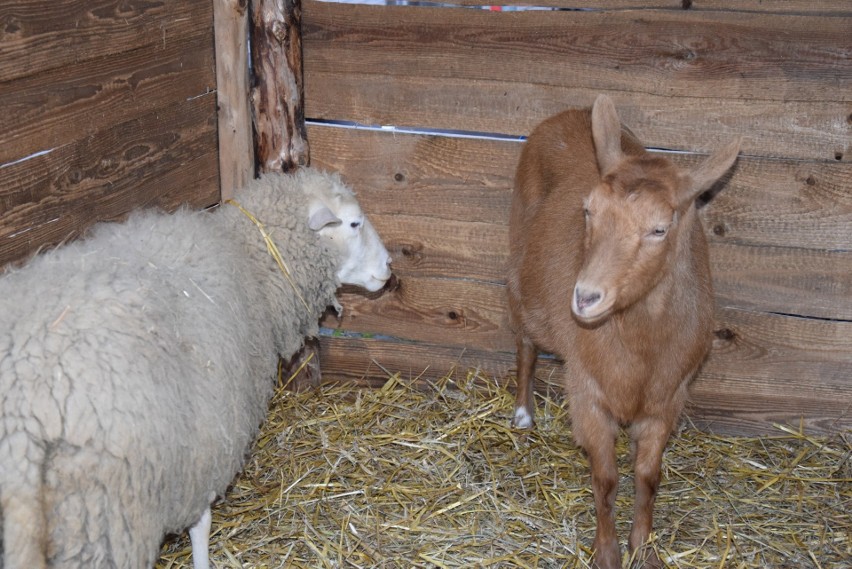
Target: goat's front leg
524	403
595	431
649	440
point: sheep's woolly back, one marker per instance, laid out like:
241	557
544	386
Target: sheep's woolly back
135	368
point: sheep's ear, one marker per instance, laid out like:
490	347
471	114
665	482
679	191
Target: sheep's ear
708	172
606	132
321	218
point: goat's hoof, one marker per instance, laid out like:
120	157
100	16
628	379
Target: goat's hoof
607	557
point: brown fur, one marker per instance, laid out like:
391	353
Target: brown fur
629	311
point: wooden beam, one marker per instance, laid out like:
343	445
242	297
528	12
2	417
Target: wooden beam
279	122
278	93
236	152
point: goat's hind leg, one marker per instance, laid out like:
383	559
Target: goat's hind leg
524	403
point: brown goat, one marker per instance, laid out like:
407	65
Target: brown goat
603	227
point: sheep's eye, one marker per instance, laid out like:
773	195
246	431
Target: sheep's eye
660	231
586	213
355	224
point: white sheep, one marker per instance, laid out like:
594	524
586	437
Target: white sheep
136	365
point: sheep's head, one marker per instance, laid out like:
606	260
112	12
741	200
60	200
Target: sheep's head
337	217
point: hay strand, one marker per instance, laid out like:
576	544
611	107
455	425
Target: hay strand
435	478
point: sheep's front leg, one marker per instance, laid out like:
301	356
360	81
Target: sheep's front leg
649	440
524	403
199	536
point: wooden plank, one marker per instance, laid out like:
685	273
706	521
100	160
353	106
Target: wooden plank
461	313
786	280
440	311
758	376
52	109
236	146
35	38
768	368
370	361
471	70
164	158
441	205
776	6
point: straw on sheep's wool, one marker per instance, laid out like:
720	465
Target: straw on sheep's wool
403	477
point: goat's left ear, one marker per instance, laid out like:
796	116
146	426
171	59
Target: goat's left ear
709	171
322	218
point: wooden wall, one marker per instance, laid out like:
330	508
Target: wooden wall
105	106
777	73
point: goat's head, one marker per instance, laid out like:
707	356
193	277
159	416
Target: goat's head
632	218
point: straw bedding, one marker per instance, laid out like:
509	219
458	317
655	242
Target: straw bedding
405	477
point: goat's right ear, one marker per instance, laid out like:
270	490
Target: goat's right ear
714	167
321	218
606	133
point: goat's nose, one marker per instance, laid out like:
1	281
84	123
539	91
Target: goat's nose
585	298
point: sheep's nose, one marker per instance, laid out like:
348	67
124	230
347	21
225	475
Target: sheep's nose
391	284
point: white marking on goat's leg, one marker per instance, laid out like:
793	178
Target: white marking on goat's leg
199	536
522	419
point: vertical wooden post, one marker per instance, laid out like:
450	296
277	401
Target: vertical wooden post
277	99
236	151
278	92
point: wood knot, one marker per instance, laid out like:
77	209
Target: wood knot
725	334
279	31
412	251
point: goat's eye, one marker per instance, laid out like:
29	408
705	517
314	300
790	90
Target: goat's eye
586	213
660	231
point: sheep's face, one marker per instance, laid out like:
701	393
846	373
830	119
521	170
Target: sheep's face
364	261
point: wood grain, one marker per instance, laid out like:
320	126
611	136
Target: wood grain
66	104
839	7
38	36
236	144
745	387
165	158
107	106
779	231
504	72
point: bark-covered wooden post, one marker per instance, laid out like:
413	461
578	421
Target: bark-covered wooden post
278	92
277	98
